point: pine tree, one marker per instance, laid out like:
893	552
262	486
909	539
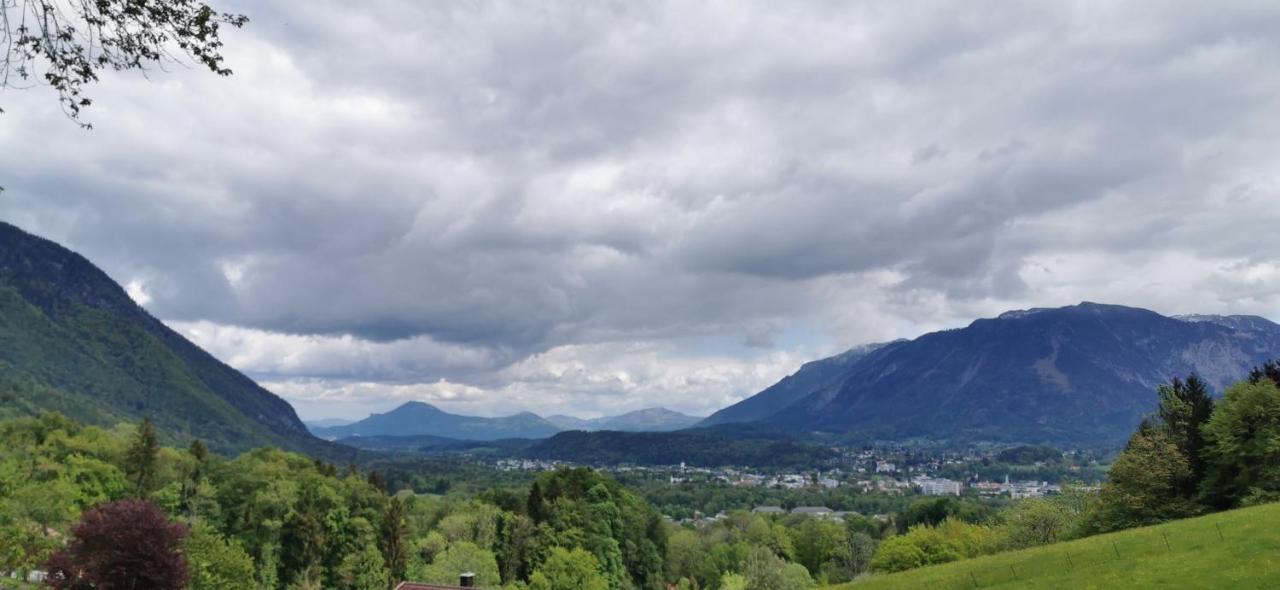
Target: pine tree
1185	407
395	533
191	487
377	482
142	458
535	505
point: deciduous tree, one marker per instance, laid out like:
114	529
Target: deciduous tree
125	544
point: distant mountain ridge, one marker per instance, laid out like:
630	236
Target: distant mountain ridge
72	340
646	420
812	376
1077	374
417	418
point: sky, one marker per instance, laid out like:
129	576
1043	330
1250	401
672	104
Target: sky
595	207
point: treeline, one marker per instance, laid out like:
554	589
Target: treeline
93	507
1193	456
671	448
1198	455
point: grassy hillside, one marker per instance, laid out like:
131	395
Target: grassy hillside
1236	549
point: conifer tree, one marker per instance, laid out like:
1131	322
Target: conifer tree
141	460
395	534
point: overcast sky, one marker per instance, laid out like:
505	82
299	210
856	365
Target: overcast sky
594	207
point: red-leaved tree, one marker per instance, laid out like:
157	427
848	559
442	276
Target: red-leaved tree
126	545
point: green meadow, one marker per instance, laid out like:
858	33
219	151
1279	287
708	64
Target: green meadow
1235	549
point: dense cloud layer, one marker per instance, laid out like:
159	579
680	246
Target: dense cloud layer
591	207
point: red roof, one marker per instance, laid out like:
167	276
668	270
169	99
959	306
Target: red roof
417	586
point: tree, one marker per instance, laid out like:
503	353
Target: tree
303	543
215	563
190	500
1243	446
897	554
363	570
395	533
140	462
517	546
462	557
66	44
1142	484
766	571
566	569
819	541
535	507
1185	407
125	544
1036	521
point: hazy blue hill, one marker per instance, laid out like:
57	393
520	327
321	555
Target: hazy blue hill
72	340
564	422
1084	373
646	420
417	418
812	376
326	423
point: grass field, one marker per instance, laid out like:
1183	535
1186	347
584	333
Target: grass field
1236	549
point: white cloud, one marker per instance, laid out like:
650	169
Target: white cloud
533	198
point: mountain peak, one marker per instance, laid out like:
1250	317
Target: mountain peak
1084	372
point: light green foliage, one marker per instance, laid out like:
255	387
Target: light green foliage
1195	557
685	555
51	469
1036	521
898	554
363	570
1243	446
1143	488
926	545
475	523
566	569
215	563
733	582
461	557
766	571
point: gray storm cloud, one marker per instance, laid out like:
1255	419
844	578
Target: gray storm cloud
396	193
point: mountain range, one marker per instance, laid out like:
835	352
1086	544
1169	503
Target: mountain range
1078	374
417	419
646	420
72	340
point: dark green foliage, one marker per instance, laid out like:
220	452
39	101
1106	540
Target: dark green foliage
1194	455
1243	446
141	461
395	538
933	511
670	448
589	510
1029	454
1185	407
71	340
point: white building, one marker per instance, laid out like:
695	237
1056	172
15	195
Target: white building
939	487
